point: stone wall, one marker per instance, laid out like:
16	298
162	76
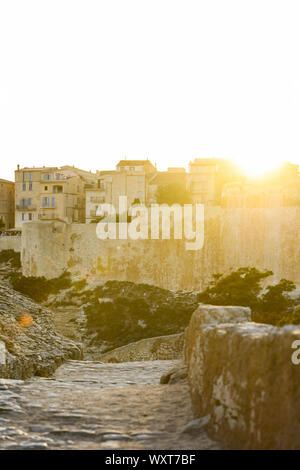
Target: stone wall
242	375
264	238
150	349
10	243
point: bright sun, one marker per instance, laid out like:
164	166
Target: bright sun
257	167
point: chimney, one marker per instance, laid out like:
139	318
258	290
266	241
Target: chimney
18	167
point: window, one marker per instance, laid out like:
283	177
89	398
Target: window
57	189
30	186
24	176
53	202
24	187
30	176
46	177
46	202
46	188
140	179
28	216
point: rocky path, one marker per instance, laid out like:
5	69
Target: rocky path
91	405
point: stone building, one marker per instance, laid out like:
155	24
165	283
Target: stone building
131	178
7	204
139	181
50	193
207	177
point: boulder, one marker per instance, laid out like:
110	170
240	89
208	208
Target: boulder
210	315
175	375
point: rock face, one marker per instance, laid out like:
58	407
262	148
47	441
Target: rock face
242	376
29	344
151	349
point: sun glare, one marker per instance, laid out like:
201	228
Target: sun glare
257	167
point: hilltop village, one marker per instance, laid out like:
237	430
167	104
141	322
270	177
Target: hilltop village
73	195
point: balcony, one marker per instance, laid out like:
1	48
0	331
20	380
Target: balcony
49	216
20	207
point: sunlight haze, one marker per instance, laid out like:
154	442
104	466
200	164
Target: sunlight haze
90	82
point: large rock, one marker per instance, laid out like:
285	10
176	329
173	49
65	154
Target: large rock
219	314
151	349
29	344
242	376
212	314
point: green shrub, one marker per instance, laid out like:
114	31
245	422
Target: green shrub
292	319
123	312
243	287
79	285
39	288
12	256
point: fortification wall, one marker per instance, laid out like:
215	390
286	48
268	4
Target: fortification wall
264	238
243	380
10	243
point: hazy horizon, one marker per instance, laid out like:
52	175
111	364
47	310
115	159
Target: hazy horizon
88	83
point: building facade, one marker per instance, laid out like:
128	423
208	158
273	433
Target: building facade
207	177
49	193
131	178
7	204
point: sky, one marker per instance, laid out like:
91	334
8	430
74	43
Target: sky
91	82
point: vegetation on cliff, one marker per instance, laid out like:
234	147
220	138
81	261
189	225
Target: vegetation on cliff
123	312
243	287
39	288
11	257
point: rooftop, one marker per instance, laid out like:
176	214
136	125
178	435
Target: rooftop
6	181
134	162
